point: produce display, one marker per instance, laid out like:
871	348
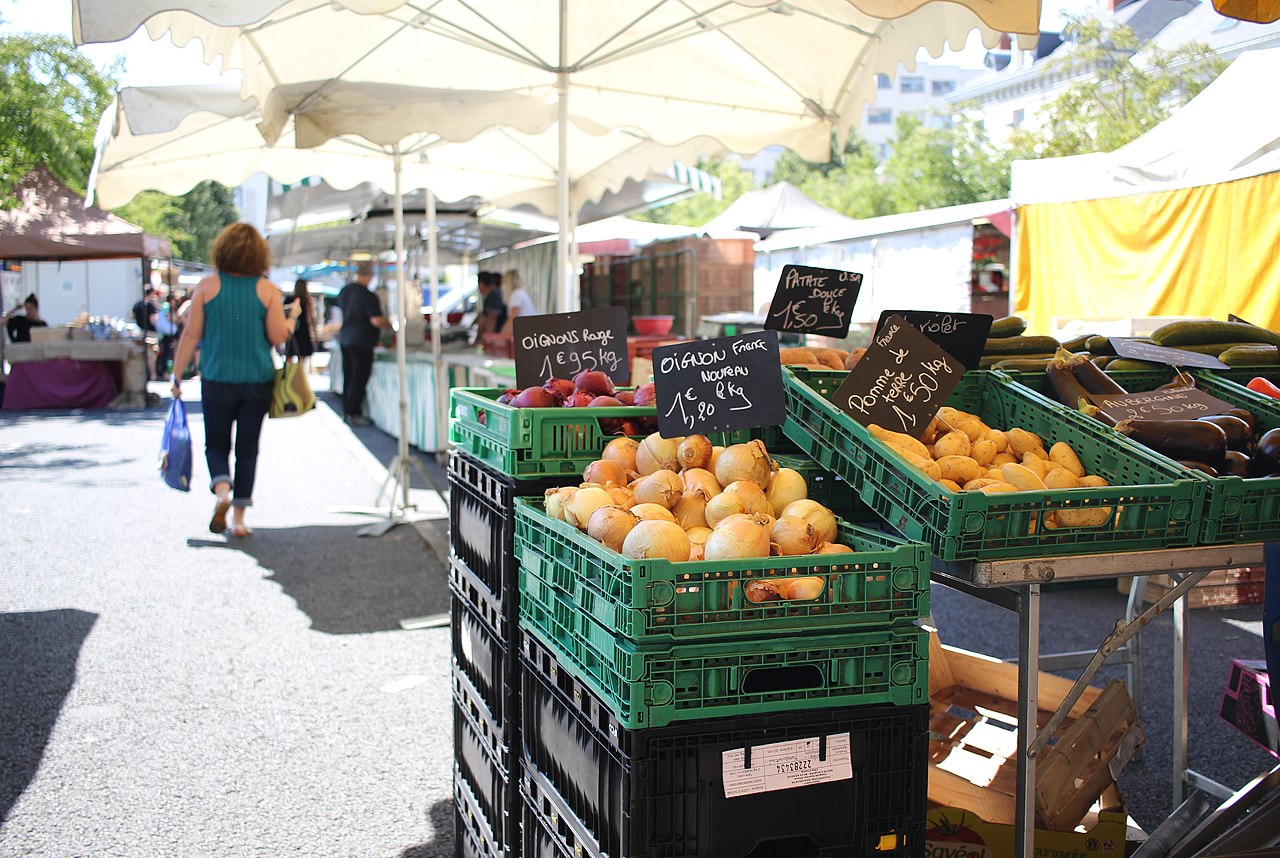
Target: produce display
588	389
815	358
683	499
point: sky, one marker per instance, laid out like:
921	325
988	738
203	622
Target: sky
157	63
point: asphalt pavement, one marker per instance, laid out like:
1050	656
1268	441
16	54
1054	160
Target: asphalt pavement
168	692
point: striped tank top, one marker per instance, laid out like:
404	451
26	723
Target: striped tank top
234	349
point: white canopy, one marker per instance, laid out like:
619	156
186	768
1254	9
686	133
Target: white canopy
1224	133
778	207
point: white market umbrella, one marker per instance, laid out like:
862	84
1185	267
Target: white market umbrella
750	73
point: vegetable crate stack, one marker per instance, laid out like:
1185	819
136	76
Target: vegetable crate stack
682	692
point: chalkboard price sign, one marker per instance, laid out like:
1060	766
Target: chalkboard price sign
961	335
814	301
901	381
719	385
561	345
1172	404
1163	354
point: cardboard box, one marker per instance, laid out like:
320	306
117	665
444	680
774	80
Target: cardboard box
953	833
973	724
1248	706
48	334
1222	588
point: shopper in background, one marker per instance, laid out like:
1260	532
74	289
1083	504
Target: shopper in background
236	316
519	303
493	311
19	327
144	316
302	344
362	316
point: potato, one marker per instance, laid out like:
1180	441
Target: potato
852	358
983	452
833	358
1094	516
1094	482
1020	441
1062	454
1037	452
1036	465
899	440
981	482
995	473
972	427
933	431
928	466
1061	478
1023	478
949	484
951	444
1004	457
998	488
1050	522
999	439
961	469
798	356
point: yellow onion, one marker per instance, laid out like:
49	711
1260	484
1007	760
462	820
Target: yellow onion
691	510
786	486
833	548
739	537
701	478
794	535
556	499
698	535
610	526
694	451
652	512
790	589
651	540
622	496
749	461
697	551
660	487
715	457
605	472
743	496
584	502
656	453
822	519
623	451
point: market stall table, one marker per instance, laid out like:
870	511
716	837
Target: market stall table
66	374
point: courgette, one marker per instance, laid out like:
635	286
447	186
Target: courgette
1009	326
1214	349
1021	346
989	361
1022	364
1099	346
1254	355
1194	333
1102	361
1078	344
1130	365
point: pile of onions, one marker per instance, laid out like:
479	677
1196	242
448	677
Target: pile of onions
682	499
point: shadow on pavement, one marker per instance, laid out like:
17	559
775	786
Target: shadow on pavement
384	448
38	653
347	584
441	843
32	457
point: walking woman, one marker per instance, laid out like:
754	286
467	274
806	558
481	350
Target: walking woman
302	344
236	317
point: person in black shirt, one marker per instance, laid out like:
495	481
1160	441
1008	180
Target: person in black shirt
144	314
19	327
362	316
493	310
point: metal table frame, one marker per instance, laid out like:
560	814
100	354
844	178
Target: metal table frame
1015	585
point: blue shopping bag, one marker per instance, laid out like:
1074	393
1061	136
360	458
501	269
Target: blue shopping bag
175	449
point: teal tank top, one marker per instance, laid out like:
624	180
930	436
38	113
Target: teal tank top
234	349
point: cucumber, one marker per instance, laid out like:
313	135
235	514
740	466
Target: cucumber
1078	344
1022	364
1021	346
1130	365
989	361
1099	346
1214	349
1196	333
1254	355
1009	326
1101	361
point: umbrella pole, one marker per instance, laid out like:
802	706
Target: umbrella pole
564	273
437	360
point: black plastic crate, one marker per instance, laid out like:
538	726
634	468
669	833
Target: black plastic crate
541	837
485	666
482	529
661	792
484	788
467	841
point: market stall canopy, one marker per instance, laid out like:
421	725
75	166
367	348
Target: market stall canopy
52	222
1177	223
780	206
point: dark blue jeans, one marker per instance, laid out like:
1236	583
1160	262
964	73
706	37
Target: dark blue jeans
243	406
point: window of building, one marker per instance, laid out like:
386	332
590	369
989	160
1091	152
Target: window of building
879	116
1018	116
911	84
883	82
943	87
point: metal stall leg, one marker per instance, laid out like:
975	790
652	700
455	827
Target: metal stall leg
1028	706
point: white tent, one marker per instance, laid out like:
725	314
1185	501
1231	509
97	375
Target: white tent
1176	223
780	206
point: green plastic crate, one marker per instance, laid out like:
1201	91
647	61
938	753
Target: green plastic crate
654	686
531	443
1245	374
1154	503
1237	509
884	581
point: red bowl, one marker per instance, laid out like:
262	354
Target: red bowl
653	326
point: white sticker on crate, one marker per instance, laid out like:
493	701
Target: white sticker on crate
786	765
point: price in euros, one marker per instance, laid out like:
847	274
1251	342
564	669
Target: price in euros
696	410
573	362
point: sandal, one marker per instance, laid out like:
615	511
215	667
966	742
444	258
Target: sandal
218	524
240	531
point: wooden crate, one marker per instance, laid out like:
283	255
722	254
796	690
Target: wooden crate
1222	588
973	740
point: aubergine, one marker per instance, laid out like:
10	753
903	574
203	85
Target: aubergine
1088	409
1190	440
1235	464
1093	379
1199	466
1063	383
1239	435
1266	455
1246	416
1180	381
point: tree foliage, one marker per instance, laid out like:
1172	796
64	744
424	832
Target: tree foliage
735	180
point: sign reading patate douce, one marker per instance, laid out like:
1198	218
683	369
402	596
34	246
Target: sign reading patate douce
900	382
561	345
814	301
718	385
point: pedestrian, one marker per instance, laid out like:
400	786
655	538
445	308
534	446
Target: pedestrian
19	327
493	311
362	316
519	302
145	312
236	316
302	344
